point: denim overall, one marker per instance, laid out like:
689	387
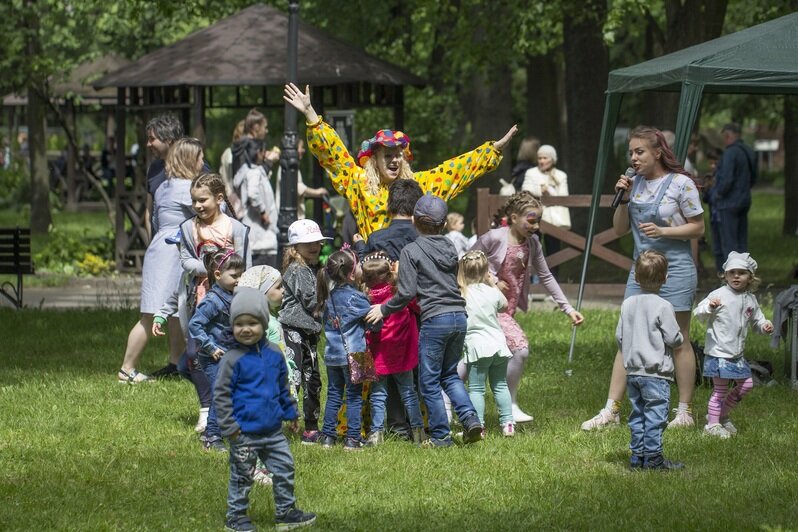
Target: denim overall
679	288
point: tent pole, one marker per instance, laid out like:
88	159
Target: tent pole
612	105
689	105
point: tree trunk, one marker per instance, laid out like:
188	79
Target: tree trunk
543	100
790	226
586	71
40	217
688	22
490	117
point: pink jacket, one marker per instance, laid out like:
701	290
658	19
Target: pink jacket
395	347
494	244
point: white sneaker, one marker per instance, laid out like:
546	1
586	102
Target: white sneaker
604	419
262	477
519	416
717	430
730	428
202	421
681	419
508	430
727	424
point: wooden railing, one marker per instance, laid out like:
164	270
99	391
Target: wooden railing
574	243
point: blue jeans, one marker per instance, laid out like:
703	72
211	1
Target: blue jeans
273	451
440	347
733	228
211	369
493	369
650	397
338	383
407	391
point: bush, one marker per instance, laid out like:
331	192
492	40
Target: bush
75	254
14	184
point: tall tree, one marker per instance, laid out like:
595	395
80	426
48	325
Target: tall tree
586	70
687	23
40	216
790	225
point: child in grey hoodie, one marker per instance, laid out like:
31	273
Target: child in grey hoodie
428	272
647	332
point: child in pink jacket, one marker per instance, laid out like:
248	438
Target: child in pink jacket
395	349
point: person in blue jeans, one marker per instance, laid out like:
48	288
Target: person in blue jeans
342	309
253	399
736	174
209	328
428	272
647	332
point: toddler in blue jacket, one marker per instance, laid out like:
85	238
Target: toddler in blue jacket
252	400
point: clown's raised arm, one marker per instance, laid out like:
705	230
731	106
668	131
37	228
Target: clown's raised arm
382	159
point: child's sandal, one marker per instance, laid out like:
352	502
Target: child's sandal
133	377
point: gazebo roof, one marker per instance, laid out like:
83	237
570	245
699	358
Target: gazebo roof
249	48
79	83
760	59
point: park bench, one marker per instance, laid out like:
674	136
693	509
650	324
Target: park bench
15	259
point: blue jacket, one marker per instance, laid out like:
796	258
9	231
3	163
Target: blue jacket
251	393
351	306
210	325
736	174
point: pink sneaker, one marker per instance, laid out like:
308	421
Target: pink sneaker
508	430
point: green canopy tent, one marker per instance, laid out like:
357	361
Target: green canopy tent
757	60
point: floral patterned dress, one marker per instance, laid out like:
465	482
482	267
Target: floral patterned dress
513	272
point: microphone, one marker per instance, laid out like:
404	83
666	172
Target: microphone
630	172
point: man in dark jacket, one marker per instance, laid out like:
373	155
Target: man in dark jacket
736	174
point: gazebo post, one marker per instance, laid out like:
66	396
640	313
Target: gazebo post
71	196
317	97
121	237
289	157
198	112
399	107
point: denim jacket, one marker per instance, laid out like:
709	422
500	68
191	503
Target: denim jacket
351	306
210	326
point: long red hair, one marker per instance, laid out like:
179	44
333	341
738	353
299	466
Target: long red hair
656	140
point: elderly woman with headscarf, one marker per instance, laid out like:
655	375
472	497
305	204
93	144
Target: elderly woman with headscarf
547	180
384	158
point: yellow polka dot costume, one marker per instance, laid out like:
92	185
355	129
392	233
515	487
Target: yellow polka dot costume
446	180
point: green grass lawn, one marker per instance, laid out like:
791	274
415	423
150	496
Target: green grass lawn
80	452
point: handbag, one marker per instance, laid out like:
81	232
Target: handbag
361	363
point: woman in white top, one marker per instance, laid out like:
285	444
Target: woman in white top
547	180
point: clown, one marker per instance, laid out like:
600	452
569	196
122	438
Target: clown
382	159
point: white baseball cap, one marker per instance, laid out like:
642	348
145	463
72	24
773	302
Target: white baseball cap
304	232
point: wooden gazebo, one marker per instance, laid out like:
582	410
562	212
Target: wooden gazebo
73	96
228	65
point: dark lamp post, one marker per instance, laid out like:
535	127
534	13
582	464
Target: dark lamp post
289	156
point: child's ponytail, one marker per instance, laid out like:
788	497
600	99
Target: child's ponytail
340	269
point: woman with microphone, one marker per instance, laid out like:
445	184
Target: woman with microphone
663	210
